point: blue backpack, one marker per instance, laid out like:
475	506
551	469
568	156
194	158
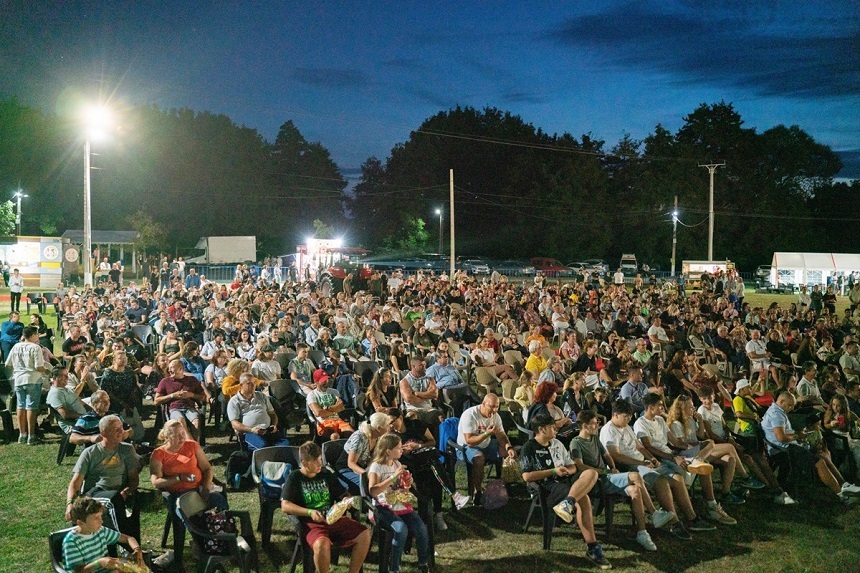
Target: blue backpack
273	476
447	430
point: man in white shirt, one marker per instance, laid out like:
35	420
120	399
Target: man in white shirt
618	278
68	405
657	335
849	362
481	431
629	454
27	363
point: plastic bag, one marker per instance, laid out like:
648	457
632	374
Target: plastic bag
495	495
511	471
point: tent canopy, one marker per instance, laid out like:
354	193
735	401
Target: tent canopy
839	262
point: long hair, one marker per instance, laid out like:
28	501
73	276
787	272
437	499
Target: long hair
385	444
544	392
676	412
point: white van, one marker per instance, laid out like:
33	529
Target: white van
629	265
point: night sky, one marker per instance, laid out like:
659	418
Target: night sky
358	78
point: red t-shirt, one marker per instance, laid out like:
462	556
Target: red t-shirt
169	386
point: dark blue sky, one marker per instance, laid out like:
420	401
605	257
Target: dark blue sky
358	78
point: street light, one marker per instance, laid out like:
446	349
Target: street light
439	212
97	118
19	195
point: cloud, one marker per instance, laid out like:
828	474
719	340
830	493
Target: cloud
331	77
524	97
770	57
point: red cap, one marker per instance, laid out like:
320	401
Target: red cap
320	375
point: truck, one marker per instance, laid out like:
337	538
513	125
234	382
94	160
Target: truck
629	267
225	250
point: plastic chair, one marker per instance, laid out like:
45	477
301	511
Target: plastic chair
55	546
288	454
364	371
487	379
317	357
64	449
191	504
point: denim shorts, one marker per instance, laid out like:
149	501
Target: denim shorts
28	396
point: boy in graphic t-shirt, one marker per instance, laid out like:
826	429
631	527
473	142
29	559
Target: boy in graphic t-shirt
308	494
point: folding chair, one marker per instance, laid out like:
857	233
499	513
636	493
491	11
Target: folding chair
55	546
287	454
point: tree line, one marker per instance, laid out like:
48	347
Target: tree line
178	174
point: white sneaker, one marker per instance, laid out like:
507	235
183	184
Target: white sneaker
784	499
850	489
460	500
440	522
644	539
164	559
847	498
661	518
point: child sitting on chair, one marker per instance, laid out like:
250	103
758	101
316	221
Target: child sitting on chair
85	546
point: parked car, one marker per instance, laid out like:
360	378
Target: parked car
598	265
551	267
628	265
513	267
579	268
477	266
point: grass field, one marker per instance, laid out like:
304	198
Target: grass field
819	535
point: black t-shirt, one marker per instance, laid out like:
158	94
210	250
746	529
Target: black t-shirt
416	431
319	492
74	347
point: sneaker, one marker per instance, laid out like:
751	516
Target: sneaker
460	500
752	483
596	555
700	524
644	539
164	559
784	499
440	522
565	510
679	531
850	489
476	499
847	499
732	499
661	518
700	467
33	440
716	513
22	438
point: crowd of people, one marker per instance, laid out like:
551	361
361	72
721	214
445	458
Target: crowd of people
629	389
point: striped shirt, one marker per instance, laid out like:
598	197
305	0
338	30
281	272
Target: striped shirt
80	549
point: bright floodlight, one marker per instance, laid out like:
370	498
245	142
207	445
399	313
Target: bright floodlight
97	119
337	243
438	211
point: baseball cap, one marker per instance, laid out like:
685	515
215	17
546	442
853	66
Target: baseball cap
320	375
741	384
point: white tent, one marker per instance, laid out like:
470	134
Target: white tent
811	268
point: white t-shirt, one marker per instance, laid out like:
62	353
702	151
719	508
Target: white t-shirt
659	332
655	430
714	418
757	347
472	422
622	438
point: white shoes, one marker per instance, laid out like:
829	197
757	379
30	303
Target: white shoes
784	499
460	500
850	489
644	539
661	518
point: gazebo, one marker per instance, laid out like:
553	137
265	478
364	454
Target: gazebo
811	268
105	241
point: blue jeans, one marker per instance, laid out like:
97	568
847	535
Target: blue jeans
402	526
256	442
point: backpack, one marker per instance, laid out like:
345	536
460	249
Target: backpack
273	476
238	467
447	430
495	495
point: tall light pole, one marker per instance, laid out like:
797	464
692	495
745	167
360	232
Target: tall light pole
97	118
674	234
711	168
439	212
19	195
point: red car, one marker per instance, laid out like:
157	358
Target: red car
551	267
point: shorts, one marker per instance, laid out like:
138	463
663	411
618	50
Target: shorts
651	475
491	452
28	396
558	490
341	533
333	425
180	413
616	483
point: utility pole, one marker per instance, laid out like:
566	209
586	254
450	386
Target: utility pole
711	168
674	234
453	259
439	212
19	195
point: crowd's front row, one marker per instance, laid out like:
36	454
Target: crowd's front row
649	457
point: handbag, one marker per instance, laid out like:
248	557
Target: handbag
215	521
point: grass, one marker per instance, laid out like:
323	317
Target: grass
819	535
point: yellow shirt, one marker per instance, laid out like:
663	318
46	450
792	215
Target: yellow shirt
536	364
740	406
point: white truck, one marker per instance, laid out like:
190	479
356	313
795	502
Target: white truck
226	250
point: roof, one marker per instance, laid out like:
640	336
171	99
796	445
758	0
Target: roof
104	237
818	261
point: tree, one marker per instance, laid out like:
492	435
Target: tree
7	218
323	231
152	235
